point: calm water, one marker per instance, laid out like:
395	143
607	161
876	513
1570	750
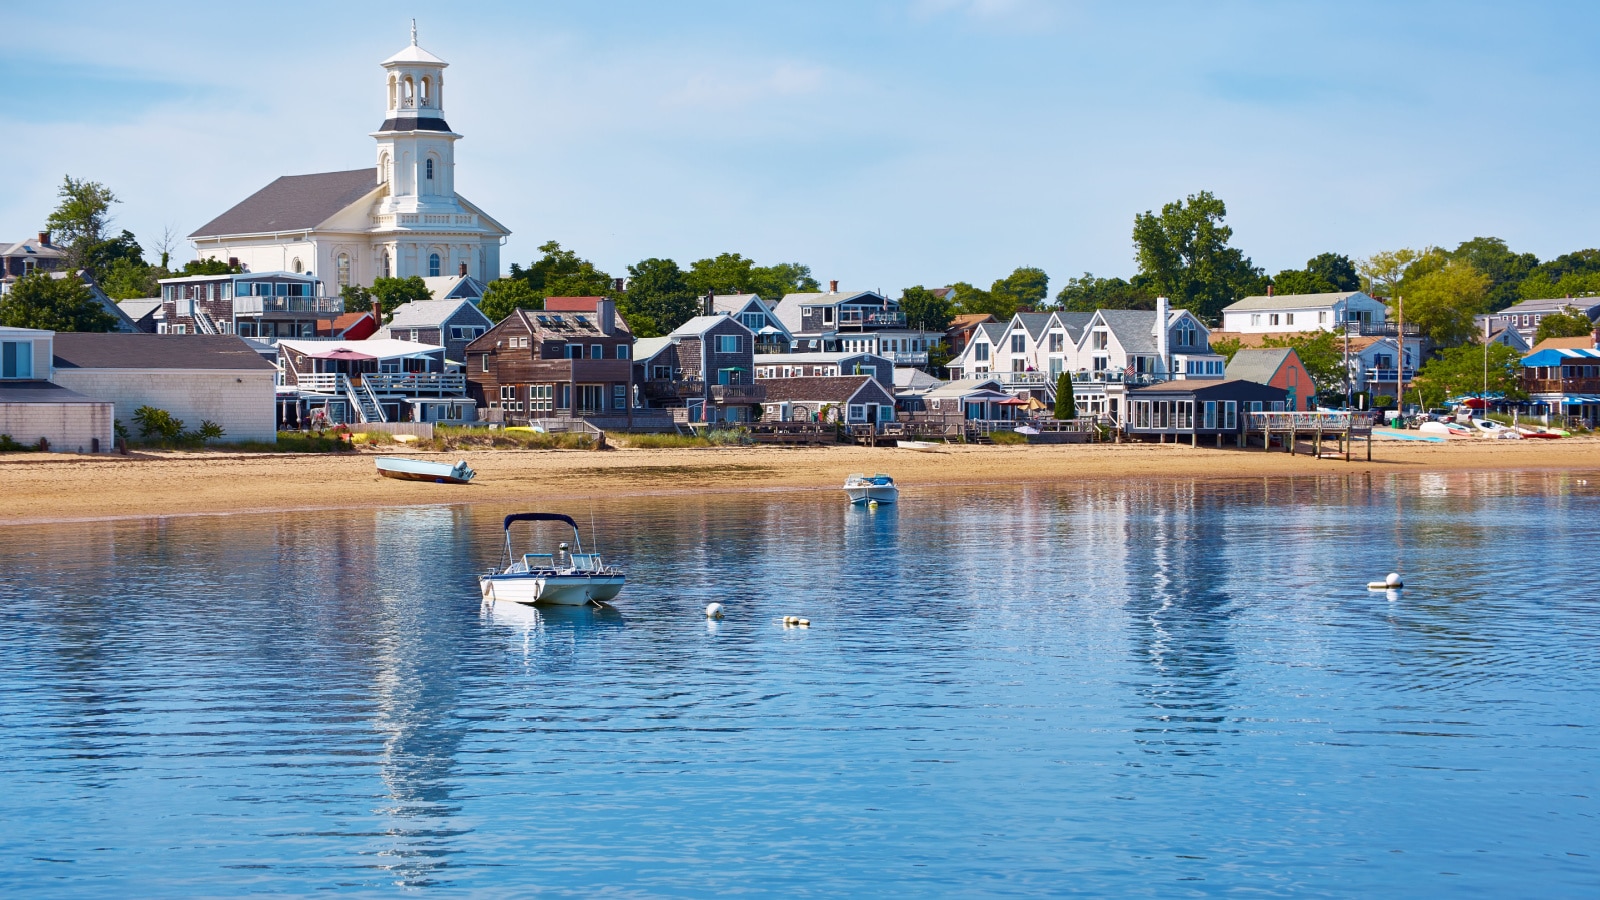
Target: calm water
1165	689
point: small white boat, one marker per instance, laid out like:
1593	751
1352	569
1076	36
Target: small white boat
422	470
922	446
566	577
867	488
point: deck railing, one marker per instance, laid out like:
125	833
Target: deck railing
417	383
1560	385
738	393
1307	421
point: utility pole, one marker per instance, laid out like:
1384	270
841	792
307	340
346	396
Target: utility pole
1400	359
1485	395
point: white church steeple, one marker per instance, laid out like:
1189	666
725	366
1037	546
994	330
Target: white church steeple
416	148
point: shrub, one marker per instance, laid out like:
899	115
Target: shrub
8	445
729	436
1007	437
1382	401
158	424
662	441
209	431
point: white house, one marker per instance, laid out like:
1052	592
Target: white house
756	314
1276	313
399	218
34	407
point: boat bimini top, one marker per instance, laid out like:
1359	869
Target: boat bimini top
536	562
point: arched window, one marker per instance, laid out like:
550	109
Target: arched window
383	168
393	95
408	92
430	169
297	266
383	264
433	259
425	94
344	270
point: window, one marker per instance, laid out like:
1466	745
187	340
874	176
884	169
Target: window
343	266
413	334
753	321
622	351
1322	317
1185	415
433	258
574	351
429	169
619	396
508	397
383	264
16	359
1019	344
1288	318
1255	318
1230	419
727	343
1208	416
1058	342
591	398
597	351
1100	340
486	362
1274	319
980	352
540	397
858	412
660	373
297	266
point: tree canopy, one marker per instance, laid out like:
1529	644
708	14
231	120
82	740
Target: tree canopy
1324	273
506	295
658	298
1184	253
924	309
1457	371
81	219
1570	322
56	304
1089	293
562	273
1442	302
731	273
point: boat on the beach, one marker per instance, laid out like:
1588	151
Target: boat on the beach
566	576
867	488
923	446
422	470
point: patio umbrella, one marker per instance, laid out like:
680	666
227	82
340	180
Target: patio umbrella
1476	403
1012	401
342	353
1036	403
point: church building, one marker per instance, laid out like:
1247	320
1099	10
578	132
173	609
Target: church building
399	218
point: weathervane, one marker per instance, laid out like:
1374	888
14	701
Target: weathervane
413	32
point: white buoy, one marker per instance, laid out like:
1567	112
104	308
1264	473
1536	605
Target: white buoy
714	611
1393	580
872	504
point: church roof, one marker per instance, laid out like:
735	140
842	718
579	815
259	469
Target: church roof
414	54
293	202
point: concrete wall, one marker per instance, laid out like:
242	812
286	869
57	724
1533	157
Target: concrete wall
69	427
242	401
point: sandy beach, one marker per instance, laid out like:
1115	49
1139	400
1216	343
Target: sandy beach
63	488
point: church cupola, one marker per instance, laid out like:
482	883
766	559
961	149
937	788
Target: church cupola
416	89
416	148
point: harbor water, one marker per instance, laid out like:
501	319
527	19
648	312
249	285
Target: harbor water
1138	688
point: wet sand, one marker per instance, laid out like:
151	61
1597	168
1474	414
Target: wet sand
44	488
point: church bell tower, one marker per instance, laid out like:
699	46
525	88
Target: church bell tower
416	148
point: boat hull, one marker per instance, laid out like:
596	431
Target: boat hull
422	470
882	493
557	590
422	476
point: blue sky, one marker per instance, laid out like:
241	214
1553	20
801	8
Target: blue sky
882	143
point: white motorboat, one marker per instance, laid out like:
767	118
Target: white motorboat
868	488
566	577
423	470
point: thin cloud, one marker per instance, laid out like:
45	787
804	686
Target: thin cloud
728	88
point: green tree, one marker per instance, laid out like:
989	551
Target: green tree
1335	269
209	266
158	424
1184	252
725	273
1570	322
586	281
504	296
1460	370
1066	403
924	309
128	279
1300	281
970	299
774	281
1089	293
56	304
1226	347
658	298
561	273
1381	273
356	298
1443	302
1321	352
1026	287
1506	270
80	220
391	292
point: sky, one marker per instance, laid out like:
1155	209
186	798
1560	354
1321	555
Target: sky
884	143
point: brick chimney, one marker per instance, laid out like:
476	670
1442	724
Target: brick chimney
1269	290
44	238
833	287
463	270
710	304
377	313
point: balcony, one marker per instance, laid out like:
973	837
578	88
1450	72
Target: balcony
1560	385
857	320
672	388
909	358
1380	329
738	393
1031	380
1390	375
417	384
288	306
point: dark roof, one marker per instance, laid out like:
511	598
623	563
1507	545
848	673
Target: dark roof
826	389
1231	389
293	202
40	392
413	123
1258	364
79	350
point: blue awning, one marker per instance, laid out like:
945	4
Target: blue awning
1559	357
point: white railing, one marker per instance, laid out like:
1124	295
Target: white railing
415	383
320	382
1306	421
910	358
